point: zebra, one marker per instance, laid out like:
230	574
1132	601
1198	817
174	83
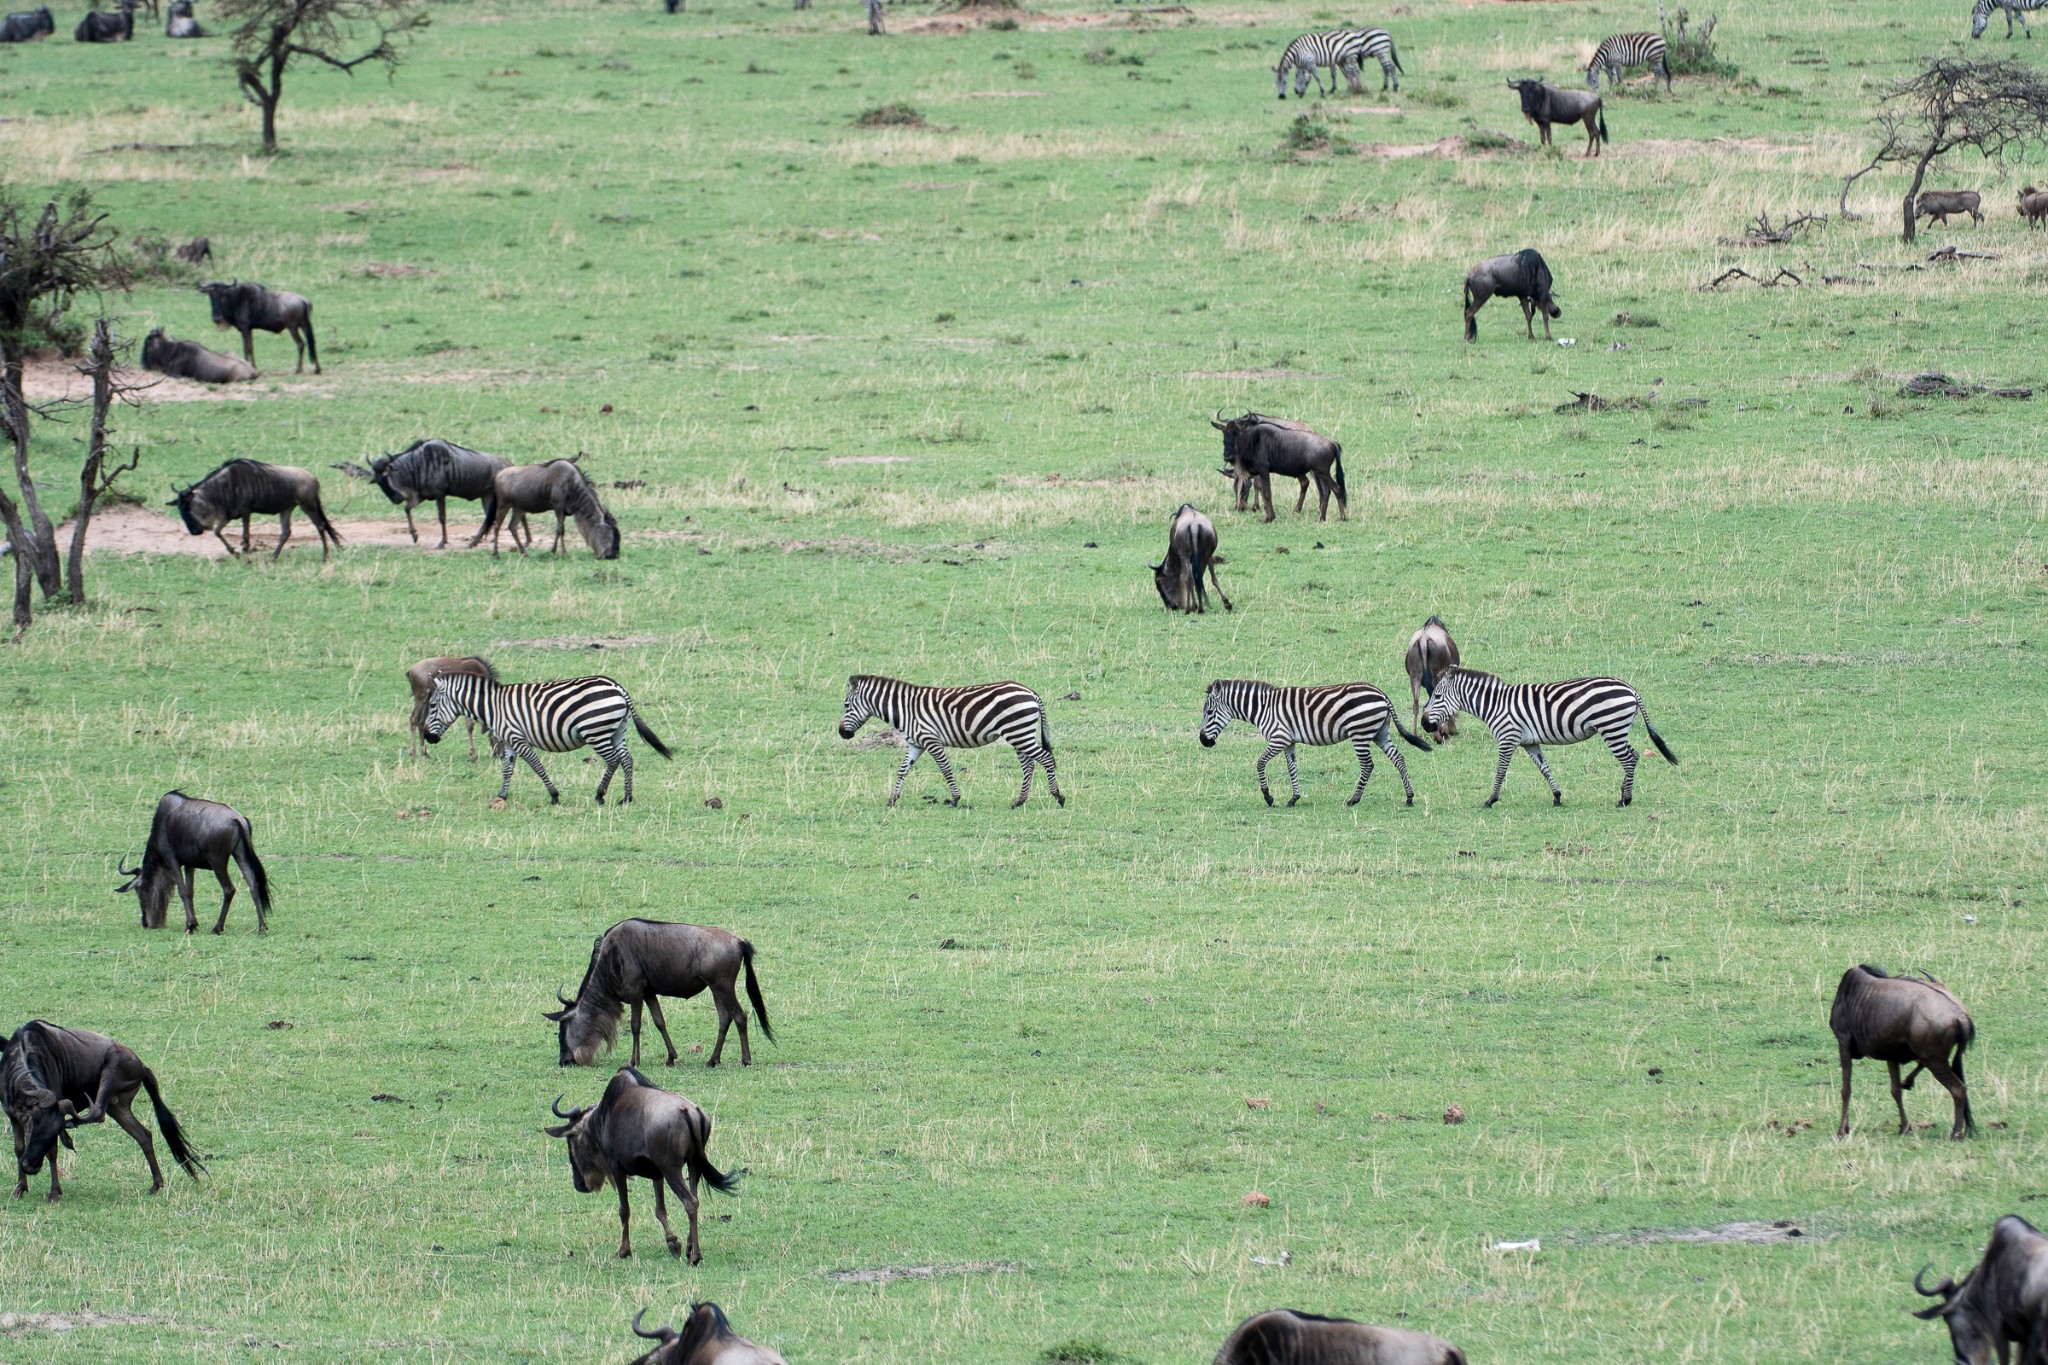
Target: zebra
1530	715
1623	50
1288	716
934	719
875	29
1340	50
1981	15
554	717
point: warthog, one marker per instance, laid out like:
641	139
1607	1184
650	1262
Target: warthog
199	248
47	1074
1524	277
1256	447
706	1339
2001	1303
1190	550
1896	1019
638	961
186	834
556	486
1285	1336
434	471
1431	650
1544	105
420	677
1939	204
637	1128
190	360
27	26
241	489
249	307
179	23
100	27
2033	206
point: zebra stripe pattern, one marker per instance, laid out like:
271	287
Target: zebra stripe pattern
553	717
1287	716
935	719
1531	715
1981	15
1623	50
875	28
1341	50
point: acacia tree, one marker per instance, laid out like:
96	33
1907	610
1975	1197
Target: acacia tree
270	35
1954	105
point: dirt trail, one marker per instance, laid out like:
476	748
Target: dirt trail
140	531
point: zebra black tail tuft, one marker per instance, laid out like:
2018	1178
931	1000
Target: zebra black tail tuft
1416	740
1657	739
654	740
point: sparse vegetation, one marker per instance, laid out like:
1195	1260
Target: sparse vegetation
897	115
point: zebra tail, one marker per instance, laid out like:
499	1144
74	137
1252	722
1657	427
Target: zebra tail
754	990
654	740
1395	54
1416	740
1655	738
1044	729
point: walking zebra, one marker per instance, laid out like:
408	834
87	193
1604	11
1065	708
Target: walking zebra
554	717
1623	50
935	719
1531	715
1288	716
1340	50
1981	15
875	28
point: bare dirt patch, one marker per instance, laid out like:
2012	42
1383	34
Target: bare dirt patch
883	738
1752	1233
139	531
1370	109
20	1324
583	642
884	1274
1004	95
1254	374
1396	151
869	459
389	270
58	380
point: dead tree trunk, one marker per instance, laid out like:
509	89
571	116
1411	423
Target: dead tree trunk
95	479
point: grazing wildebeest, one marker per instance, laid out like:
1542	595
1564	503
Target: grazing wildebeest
556	486
2001	1303
1256	447
706	1339
636	962
1524	277
48	1073
637	1128
186	834
100	27
248	307
434	471
1895	1019
1190	549
1530	715
199	248
241	489
179	22
420	677
1544	105
554	717
1939	204
1285	1336
27	25
2033	206
190	360
1431	650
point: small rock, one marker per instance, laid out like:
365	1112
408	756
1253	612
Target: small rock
606	410
279	1023
1255	1200
1262	1102
1656	1071
497	803
694	1047
1455	1114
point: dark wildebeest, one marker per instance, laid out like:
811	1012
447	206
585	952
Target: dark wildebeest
187	834
27	25
2033	206
706	1339
100	27
1430	651
1285	1336
48	1073
241	489
1544	105
434	471
637	1128
1190	549
1939	204
248	307
190	360
420	677
1524	276
179	23
1895	1019
1256	447
2001	1303
199	248
556	486
636	962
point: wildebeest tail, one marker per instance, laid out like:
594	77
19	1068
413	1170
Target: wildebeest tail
754	991
319	517
1416	740
312	346
1471	322
167	1124
1454	1356
1337	468
725	1182
1601	115
654	740
1655	738
252	870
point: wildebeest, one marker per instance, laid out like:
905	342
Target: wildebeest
1190	549
636	962
186	834
1256	447
434	470
190	360
1430	651
1523	276
249	307
420	677
637	1128
1895	1019
179	23
100	27
1544	105
241	489
199	248
48	1073
706	1339
27	25
556	486
1939	204
1285	1336
2001	1303
2033	206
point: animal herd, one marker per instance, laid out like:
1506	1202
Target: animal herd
100	26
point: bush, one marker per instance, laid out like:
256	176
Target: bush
1108	56
1479	139
898	115
1692	54
1429	98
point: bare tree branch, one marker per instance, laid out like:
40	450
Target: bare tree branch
272	34
1992	108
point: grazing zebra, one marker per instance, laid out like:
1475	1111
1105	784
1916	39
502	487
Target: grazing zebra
1340	50
1623	50
1288	716
935	719
875	29
1981	15
1531	715
554	717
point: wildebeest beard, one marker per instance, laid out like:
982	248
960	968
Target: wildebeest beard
29	1100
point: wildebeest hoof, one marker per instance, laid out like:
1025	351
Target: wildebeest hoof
625	1253
675	1245
696	1257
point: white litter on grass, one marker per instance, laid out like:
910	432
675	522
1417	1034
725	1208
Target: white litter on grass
1533	1244
1284	1258
1567	341
1969	919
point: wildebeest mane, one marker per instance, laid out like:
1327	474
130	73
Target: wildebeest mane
599	527
24	1061
600	991
1536	272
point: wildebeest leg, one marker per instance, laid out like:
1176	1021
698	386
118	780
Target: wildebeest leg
1051	779
1362	746
300	342
661	1023
442	505
1400	764
1301	500
410	529
1500	773
636	1034
284	533
1842	1129
1592	137
1273	747
910	754
687	1192
946	768
1536	752
245	535
1899	1098
1952	1081
729	1009
248	346
1219	586
1529	312
1266	493
118	1109
625	1218
184	880
561	526
218	535
227	896
1030	766
675	1245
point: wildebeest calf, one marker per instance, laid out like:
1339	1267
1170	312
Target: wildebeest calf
190	360
2001	1303
1285	1336
241	489
27	26
1190	550
1939	204
637	1128
556	486
1431	650
420	677
1896	1019
706	1339
246	307
1524	277
1544	105
187	834
638	961
48	1073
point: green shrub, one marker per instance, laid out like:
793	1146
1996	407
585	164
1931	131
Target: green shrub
898	115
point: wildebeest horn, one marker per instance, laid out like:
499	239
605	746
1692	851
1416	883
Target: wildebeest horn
561	998
557	1107
1938	1291
661	1335
124	870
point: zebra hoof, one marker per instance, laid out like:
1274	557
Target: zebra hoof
1018	802
1352	802
1268	795
554	798
1411	798
1487	804
1557	798
1294	801
1061	799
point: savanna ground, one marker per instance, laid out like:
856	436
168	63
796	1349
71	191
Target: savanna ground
920	401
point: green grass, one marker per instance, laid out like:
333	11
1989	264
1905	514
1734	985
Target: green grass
1025	1041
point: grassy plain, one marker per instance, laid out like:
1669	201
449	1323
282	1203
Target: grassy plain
1026	1040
